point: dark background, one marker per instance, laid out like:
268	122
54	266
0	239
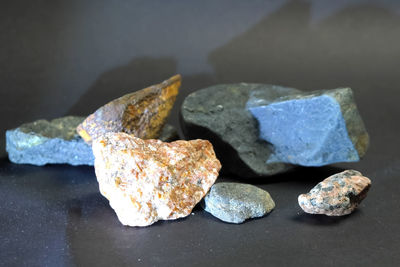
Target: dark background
69	57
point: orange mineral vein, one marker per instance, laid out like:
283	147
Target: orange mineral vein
142	113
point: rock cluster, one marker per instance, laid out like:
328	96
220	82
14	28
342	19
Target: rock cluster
235	202
337	195
256	130
148	180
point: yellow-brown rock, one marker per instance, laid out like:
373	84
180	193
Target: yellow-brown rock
142	113
149	180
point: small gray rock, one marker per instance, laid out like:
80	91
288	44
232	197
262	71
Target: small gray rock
50	142
43	142
236	202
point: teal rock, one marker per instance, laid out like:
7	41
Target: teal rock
235	202
218	114
311	129
46	142
57	142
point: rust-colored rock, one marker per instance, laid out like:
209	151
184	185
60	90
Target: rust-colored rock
149	180
337	195
142	113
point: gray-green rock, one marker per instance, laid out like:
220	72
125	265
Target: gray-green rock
42	142
218	113
235	202
56	141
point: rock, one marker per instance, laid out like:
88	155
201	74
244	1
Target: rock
235	202
312	129
337	195
142	113
218	113
168	133
48	142
148	180
42	142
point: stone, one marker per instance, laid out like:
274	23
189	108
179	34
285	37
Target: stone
313	128
168	133
149	180
236	202
142	113
43	142
49	142
218	113
337	195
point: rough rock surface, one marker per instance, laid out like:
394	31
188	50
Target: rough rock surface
337	195
218	113
148	180
49	142
312	129
42	142
142	113
235	202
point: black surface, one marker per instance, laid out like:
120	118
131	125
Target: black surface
69	57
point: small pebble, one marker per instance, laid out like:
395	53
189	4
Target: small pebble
236	202
337	195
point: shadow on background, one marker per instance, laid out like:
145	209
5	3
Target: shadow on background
137	74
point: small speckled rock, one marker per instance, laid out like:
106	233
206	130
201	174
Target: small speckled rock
218	113
142	113
42	142
312	129
235	202
149	180
337	195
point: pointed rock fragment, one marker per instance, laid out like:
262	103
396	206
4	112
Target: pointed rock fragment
337	195
148	180
142	113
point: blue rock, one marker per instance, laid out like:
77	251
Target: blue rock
312	129
49	142
46	142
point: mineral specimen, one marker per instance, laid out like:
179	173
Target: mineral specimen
312	129
43	142
148	180
219	114
235	202
142	113
337	195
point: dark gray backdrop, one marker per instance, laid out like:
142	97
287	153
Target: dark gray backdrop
70	57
